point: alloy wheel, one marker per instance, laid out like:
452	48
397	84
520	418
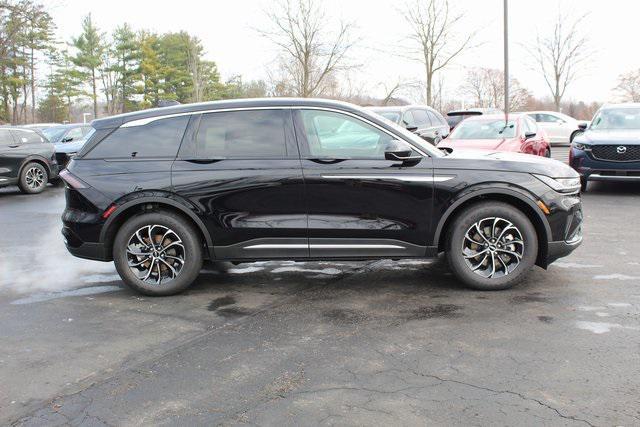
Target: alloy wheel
155	254
493	247
34	178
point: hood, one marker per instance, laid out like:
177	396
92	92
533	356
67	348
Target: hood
472	144
506	161
610	136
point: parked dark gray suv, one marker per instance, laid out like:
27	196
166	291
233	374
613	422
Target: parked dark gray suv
27	159
422	120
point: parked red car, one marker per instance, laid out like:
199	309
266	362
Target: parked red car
518	134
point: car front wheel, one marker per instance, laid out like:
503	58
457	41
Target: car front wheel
157	253
491	246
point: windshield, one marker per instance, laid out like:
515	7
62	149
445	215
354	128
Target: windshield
54	134
617	118
484	129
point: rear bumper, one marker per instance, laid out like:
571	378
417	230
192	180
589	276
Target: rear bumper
86	250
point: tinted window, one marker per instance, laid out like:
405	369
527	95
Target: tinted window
546	118
24	136
5	137
421	117
408	120
242	134
335	135
158	139
435	120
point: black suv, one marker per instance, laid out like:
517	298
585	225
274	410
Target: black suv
158	191
27	159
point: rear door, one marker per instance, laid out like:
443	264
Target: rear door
359	203
241	169
10	158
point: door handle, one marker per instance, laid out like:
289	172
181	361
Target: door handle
14	146
203	161
327	161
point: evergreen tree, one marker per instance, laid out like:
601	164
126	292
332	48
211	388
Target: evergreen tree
89	57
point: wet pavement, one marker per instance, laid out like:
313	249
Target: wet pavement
284	343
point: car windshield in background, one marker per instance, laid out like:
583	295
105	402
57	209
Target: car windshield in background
617	118
392	116
54	134
484	129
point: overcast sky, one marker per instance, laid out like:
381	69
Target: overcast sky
227	30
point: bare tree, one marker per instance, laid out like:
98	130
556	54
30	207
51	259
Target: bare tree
433	29
560	54
629	86
310	51
485	86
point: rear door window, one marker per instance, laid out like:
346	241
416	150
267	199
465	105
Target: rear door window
6	138
159	139
24	136
242	135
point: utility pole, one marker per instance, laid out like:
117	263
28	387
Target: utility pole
506	60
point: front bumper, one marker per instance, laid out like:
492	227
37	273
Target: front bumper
591	169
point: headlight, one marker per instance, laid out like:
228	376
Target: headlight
579	146
562	185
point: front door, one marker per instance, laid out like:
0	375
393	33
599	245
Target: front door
241	169
360	204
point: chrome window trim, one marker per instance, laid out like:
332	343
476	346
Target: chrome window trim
145	121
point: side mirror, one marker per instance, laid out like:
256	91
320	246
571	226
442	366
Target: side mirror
412	128
400	151
529	135
582	126
67	139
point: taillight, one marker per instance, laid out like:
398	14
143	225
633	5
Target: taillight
72	180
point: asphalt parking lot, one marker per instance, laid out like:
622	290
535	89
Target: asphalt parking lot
283	343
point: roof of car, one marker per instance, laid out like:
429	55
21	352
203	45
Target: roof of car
71	125
399	107
120	119
512	116
623	105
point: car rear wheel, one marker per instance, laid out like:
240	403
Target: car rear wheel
491	246
583	184
33	178
157	253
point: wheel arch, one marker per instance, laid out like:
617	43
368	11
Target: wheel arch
152	203
35	159
512	197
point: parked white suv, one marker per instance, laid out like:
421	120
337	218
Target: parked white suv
560	128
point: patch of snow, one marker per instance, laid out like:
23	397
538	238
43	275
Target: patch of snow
63	294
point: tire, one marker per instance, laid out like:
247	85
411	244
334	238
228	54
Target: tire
486	277
547	153
33	178
583	184
182	242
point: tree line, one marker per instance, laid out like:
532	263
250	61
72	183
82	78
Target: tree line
50	80
41	78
